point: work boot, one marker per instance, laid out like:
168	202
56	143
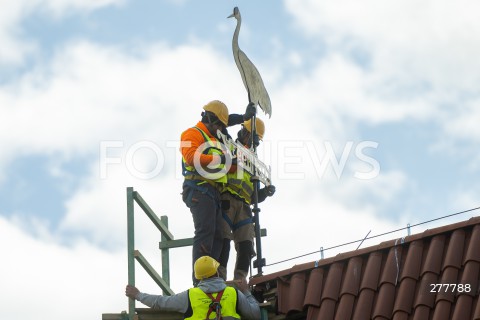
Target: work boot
240	275
222	272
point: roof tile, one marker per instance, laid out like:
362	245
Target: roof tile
421	313
442	310
313	295
385	301
455	250
283	295
405	295
476	315
297	292
433	260
471	278
333	281
463	308
424	296
372	271
400	315
391	269
312	313
345	307
473	254
450	275
392	280
353	275
364	306
327	310
413	262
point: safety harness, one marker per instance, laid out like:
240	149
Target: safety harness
215	306
203	305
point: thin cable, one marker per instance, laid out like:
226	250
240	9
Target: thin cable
372	237
364	239
402	240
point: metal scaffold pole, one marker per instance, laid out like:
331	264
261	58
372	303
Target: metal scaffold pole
257	94
130	248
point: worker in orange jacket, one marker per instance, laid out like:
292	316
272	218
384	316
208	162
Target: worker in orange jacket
204	167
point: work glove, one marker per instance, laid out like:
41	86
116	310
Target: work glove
270	190
250	111
225	132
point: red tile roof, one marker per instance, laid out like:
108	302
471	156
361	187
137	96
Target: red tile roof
392	280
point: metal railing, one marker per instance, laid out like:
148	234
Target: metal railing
167	242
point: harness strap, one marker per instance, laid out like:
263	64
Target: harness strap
242	223
207	139
201	187
227	219
235	226
215	305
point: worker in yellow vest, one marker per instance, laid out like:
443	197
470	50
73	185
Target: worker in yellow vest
211	299
204	167
236	200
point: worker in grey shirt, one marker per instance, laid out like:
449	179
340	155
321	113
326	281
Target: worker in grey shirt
211	298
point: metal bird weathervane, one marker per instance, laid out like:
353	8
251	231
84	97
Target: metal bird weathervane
246	158
250	76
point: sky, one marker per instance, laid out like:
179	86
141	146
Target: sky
374	126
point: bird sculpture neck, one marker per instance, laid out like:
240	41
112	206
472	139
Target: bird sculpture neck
237	31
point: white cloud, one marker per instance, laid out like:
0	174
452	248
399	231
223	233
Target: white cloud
15	43
57	279
465	124
354	92
428	42
60	7
90	93
13	49
396	61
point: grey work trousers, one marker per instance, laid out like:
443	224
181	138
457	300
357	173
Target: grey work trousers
205	205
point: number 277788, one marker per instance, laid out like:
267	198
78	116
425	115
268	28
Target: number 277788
450	287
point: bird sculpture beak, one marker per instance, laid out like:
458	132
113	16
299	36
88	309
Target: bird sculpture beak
231	16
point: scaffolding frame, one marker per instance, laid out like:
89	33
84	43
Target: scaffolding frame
167	242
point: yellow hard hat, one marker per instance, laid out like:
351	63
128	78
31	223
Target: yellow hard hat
205	267
219	109
259	127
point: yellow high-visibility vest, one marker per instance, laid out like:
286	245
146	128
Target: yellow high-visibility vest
200	304
241	186
216	174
